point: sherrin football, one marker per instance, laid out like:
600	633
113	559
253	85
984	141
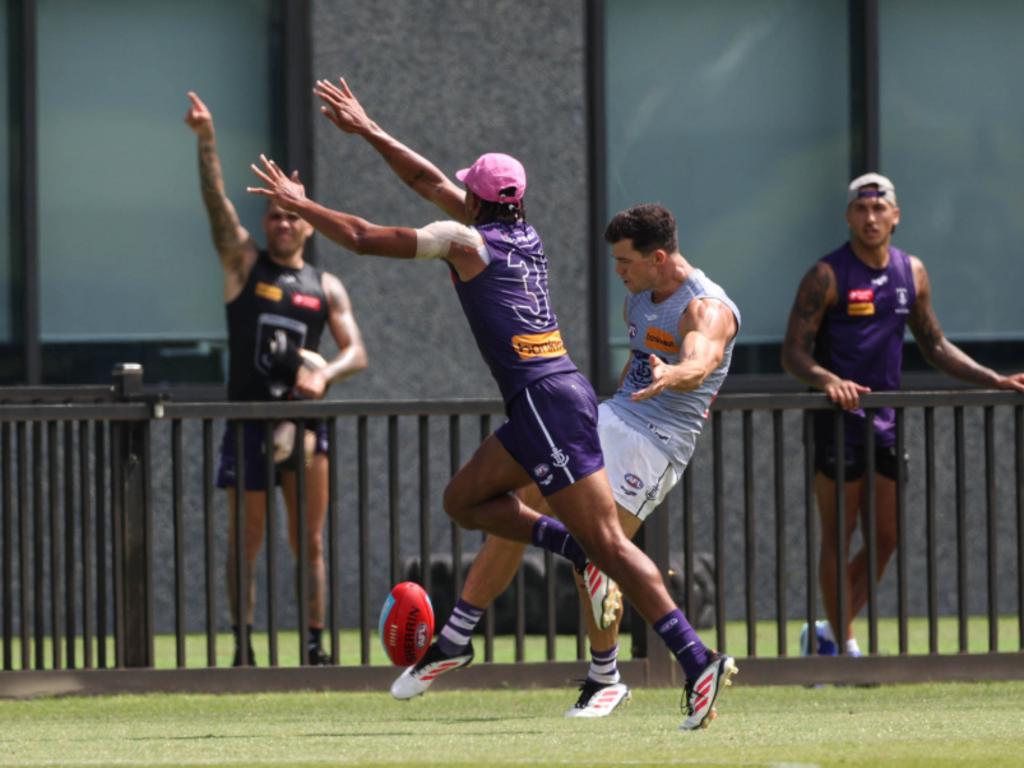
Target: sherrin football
406	623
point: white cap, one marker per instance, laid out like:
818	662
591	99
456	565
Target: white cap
885	188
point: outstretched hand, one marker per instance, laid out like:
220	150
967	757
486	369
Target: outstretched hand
659	380
286	191
198	117
341	107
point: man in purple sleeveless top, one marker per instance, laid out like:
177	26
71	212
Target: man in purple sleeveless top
845	336
499	270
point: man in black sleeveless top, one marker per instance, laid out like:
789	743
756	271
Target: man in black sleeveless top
277	307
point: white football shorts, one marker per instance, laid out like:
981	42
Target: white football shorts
640	474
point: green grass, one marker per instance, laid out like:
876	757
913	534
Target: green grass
535	645
919	725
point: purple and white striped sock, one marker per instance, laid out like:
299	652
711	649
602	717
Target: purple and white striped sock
603	668
458	631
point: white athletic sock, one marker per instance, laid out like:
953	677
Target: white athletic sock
603	668
852	647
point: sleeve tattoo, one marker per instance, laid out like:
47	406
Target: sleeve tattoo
224	221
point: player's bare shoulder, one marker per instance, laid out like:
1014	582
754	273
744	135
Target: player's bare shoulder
334	290
710	316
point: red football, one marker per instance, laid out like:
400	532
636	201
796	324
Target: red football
406	623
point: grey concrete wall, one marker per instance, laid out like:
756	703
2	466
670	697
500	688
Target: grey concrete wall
452	79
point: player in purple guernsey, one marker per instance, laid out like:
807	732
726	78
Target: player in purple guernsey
550	437
845	336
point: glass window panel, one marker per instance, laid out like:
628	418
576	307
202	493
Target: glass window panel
125	251
952	140
5	189
736	117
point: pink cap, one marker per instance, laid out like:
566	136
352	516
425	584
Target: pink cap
492	173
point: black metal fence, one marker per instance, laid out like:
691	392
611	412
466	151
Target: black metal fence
112	542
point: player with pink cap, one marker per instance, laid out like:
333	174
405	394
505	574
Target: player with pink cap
550	437
495	177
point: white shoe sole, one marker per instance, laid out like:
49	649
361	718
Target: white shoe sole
722	679
604	702
408	685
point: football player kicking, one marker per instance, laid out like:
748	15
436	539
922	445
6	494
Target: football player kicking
499	271
682	327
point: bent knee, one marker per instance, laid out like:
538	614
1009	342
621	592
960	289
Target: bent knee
457	508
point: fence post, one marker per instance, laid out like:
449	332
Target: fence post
132	455
662	669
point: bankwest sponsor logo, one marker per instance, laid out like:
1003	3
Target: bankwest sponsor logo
860	302
529	345
268	291
308	302
663	341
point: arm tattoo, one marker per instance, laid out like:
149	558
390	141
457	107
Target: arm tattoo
944	354
925	326
813	290
691	355
224	221
807	342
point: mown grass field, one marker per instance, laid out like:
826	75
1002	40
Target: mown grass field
919	725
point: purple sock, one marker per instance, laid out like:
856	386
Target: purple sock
458	631
555	537
683	641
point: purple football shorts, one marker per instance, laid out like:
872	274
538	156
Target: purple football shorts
552	431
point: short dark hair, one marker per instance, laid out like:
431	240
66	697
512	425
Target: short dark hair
650	226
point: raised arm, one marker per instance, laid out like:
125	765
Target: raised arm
351	357
817	292
235	246
425	178
940	351
351	232
706	326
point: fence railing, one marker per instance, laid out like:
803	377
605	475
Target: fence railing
113	539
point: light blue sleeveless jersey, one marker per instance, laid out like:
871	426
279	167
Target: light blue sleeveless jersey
672	420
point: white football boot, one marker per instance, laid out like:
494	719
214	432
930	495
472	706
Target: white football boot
699	697
415	680
599	699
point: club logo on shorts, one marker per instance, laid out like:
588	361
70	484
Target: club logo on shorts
633	481
652	492
559	458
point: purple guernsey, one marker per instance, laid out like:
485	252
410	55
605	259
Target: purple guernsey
509	310
861	337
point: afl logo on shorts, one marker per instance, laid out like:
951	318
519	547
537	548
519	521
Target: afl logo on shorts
542	472
633	481
632	330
